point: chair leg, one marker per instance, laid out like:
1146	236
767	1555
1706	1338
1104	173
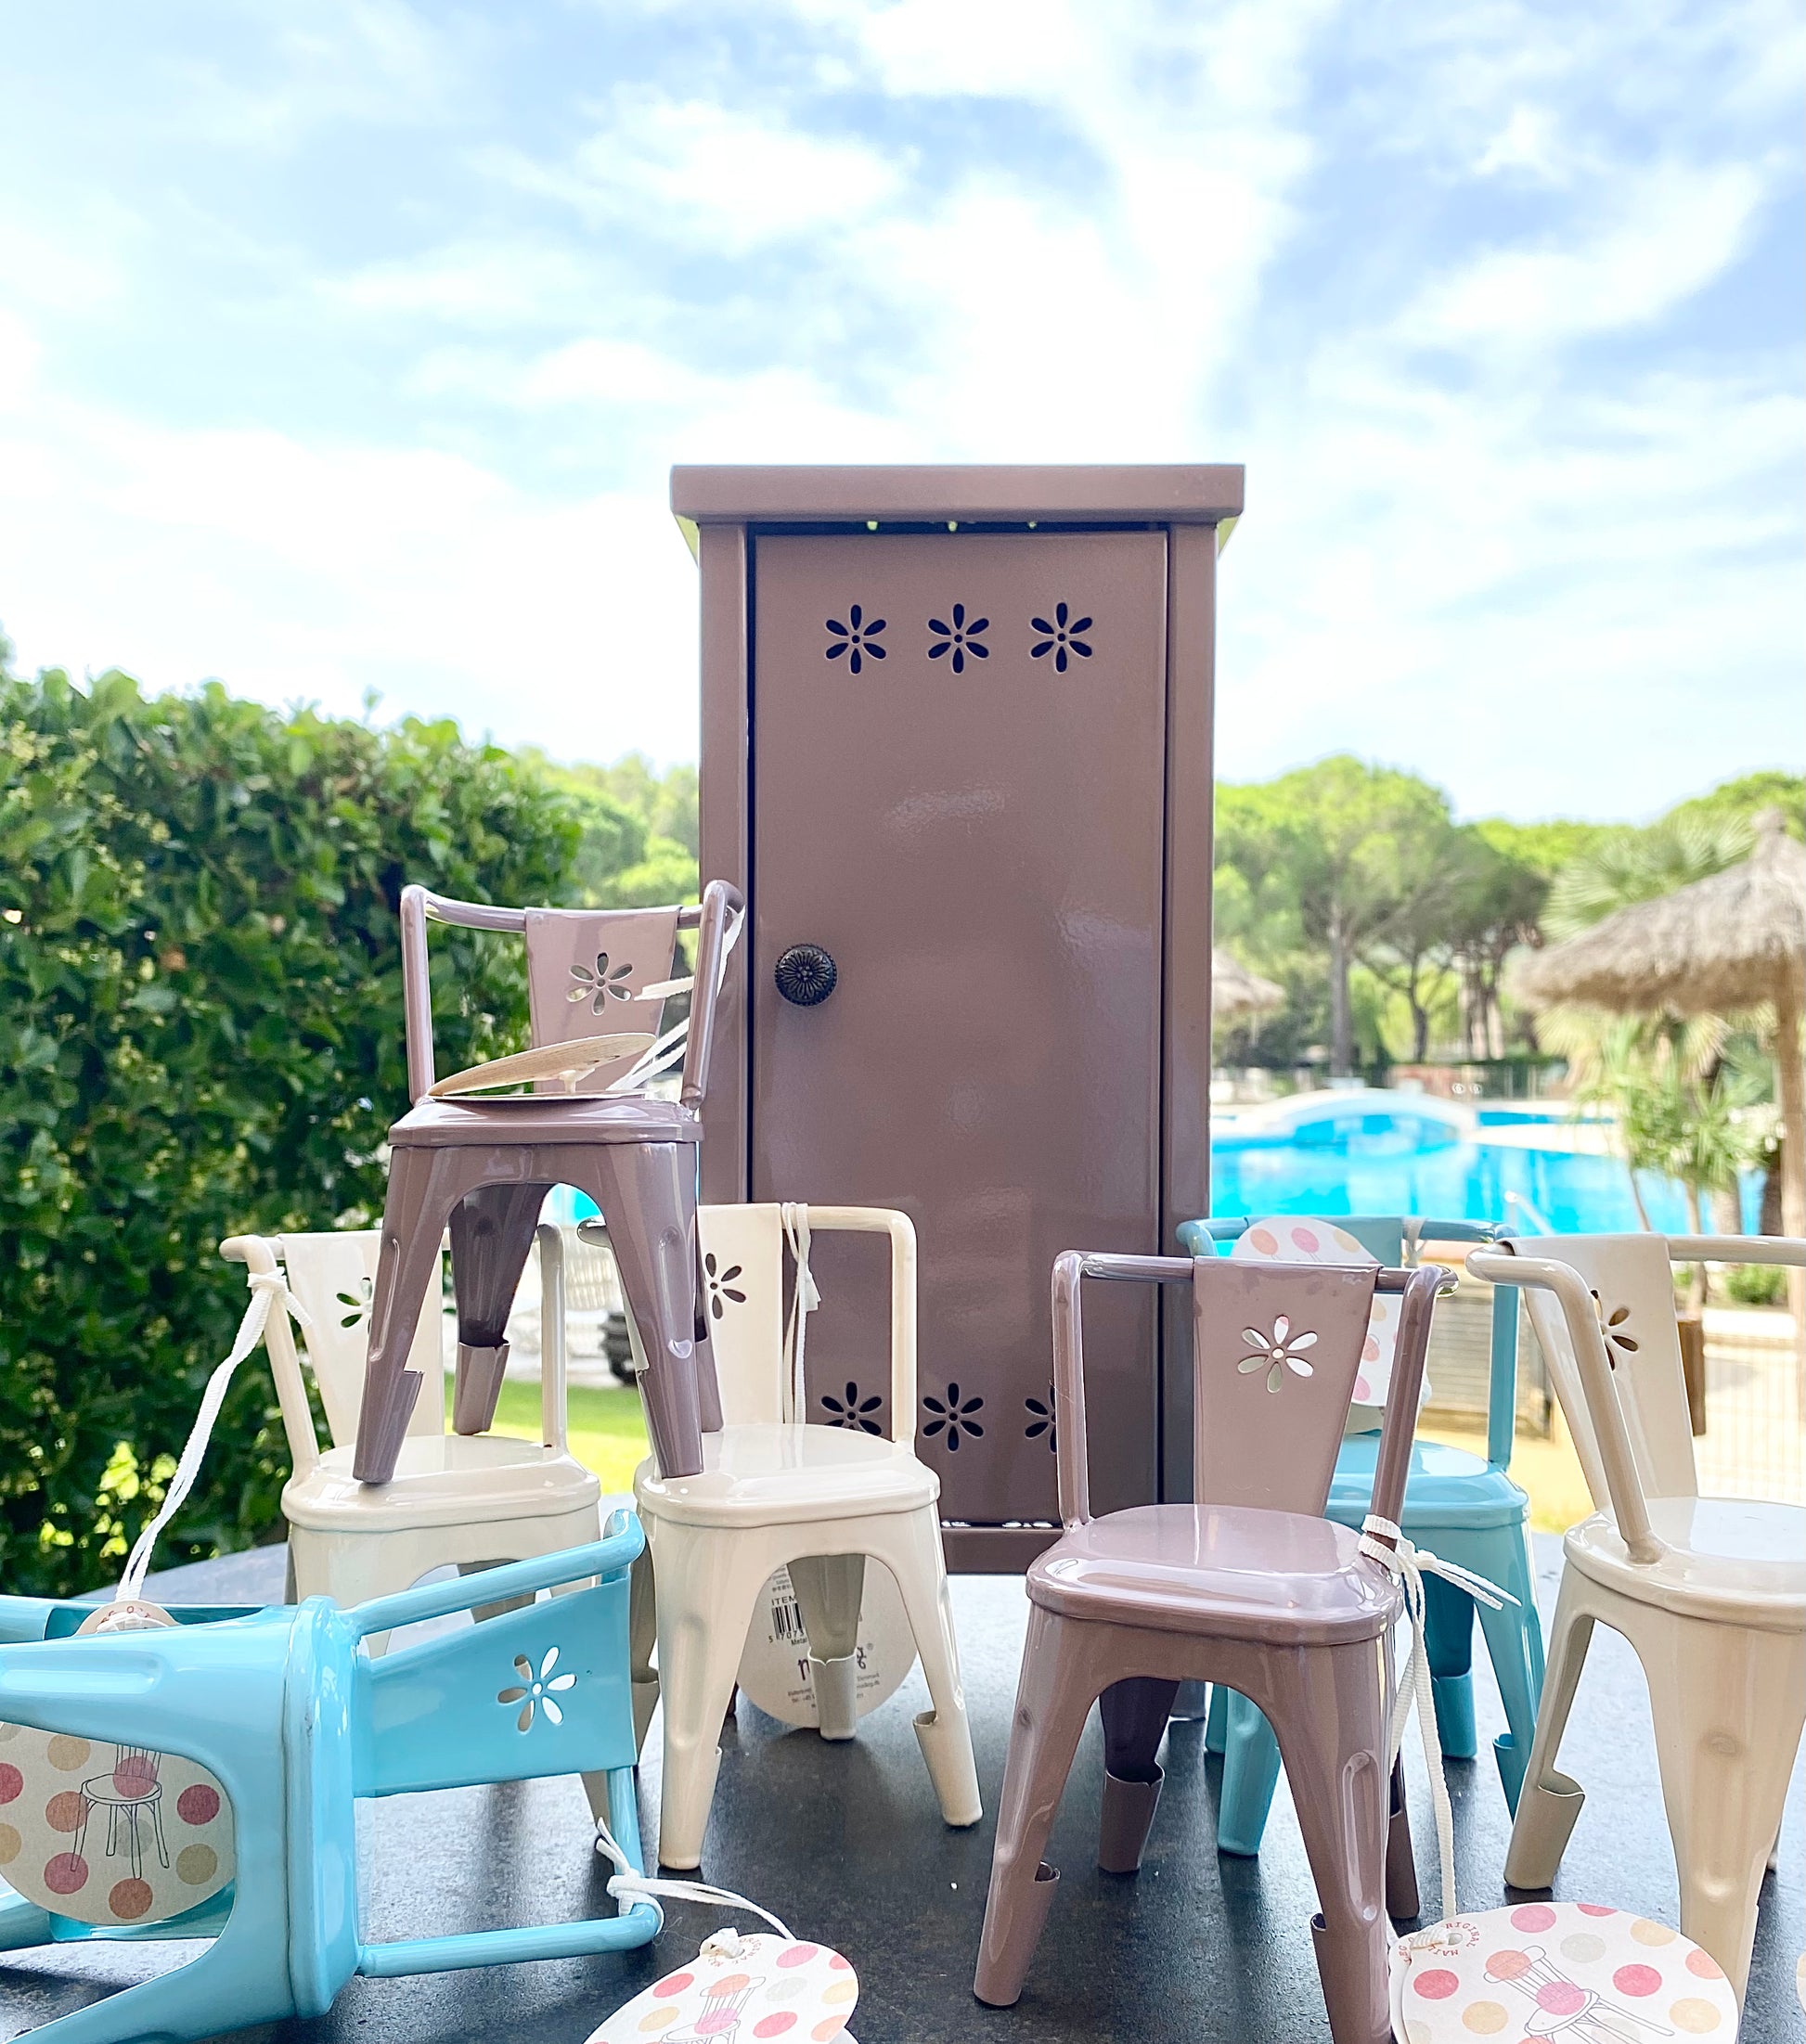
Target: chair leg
1449	1634
1250	1775
647	1192
828	1588
1514	1640
1727	1705
424	1187
1135	1715
1064	1667
1329	1712
1550	1801
1216	1725
1402	1898
491	1237
232	1981
706	1585
642	1631
910	1545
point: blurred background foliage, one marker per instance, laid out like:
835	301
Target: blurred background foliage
201	1018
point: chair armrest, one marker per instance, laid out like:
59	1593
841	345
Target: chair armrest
1737	1249
258	1253
1504	1266
720	903
416	992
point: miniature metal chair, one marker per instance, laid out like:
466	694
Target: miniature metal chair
472	1499
1467	1509
485	1165
1249	1587
1710	1591
775	1492
280	1723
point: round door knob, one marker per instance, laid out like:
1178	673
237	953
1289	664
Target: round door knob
804	974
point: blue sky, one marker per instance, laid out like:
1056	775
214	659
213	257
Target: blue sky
346	347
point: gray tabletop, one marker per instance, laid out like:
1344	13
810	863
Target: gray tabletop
845	1844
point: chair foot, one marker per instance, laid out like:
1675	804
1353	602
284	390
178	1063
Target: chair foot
1128	1815
1513	1759
1454	1716
998	1982
836	1699
478	1386
1546	1815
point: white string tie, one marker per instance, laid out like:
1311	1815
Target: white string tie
1408	1565
628	1885
803	1302
268	1290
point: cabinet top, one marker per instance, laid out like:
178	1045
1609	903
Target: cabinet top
1144	494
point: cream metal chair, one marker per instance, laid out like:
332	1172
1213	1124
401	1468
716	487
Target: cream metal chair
1710	1591
474	1499
775	1492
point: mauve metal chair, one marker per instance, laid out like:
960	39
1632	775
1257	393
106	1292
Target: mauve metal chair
485	1165
1468	1508
1250	1586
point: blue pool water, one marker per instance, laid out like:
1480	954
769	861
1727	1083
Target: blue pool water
1393	1160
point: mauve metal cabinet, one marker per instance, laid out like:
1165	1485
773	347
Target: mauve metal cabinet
956	740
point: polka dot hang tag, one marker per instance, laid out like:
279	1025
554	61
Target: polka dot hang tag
738	1989
109	1833
1281	1238
1573	1970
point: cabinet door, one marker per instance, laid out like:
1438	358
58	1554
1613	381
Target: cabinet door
958	780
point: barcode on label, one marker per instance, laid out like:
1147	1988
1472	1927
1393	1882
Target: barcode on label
787	1619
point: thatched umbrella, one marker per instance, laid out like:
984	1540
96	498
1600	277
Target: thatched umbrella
1236	991
1730	943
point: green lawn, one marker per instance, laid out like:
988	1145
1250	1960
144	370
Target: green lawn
608	1434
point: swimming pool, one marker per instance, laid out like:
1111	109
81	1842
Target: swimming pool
1380	1153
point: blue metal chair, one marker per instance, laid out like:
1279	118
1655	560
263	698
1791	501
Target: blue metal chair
295	1723
1465	1510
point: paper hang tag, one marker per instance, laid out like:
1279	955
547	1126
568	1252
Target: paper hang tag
106	1833
1575	1971
741	1990
774	1666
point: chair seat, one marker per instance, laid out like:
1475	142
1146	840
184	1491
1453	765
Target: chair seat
1736	1560
1218	1570
766	1474
1445	1487
442	1479
542	1118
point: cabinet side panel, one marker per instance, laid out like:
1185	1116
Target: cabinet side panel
724	808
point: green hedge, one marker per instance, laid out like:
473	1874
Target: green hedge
201	1032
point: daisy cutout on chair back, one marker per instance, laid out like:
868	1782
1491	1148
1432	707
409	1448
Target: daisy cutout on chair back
1287	1239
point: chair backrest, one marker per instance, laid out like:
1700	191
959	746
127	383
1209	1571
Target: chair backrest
1630	1283
756	1326
566	950
1276	1351
332	1277
1385	1239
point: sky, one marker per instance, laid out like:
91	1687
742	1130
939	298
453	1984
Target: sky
345	349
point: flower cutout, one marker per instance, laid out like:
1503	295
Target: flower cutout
1061	638
954	1417
1041	1419
1276	1353
960	638
852	1411
720	1284
356	1304
858	638
537	1691
604	984
1611	1325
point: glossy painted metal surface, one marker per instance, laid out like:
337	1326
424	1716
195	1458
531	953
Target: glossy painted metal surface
965	810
